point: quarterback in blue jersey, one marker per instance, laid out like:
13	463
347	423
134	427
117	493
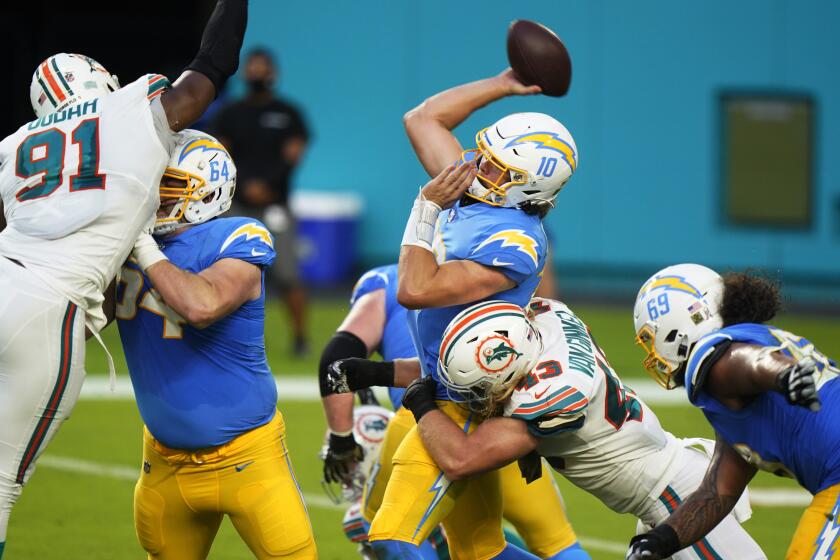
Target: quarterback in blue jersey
771	396
191	311
377	321
474	232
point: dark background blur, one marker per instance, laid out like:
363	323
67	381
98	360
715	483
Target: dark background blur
128	38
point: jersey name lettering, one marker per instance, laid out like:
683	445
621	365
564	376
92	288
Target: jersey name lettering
74	111
580	347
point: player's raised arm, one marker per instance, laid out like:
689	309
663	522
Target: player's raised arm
725	481
216	61
429	125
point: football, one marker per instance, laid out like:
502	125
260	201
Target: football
538	56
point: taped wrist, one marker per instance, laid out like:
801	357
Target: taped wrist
420	228
667	540
342	443
218	56
342	345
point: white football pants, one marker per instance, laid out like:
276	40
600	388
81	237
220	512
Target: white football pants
42	359
728	541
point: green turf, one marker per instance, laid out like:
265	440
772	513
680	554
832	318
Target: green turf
68	515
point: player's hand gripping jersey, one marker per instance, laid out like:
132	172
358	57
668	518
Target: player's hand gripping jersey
79	185
506	239
769	433
591	427
198	388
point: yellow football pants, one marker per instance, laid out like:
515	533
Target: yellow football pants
816	536
181	497
536	509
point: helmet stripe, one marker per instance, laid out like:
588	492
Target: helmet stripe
478	322
484	310
45	88
45	70
61	77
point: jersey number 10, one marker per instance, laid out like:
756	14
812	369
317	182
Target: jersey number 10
42	154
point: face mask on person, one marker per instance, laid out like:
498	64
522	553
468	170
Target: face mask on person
259	85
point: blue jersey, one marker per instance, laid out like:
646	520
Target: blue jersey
198	388
396	340
506	239
770	433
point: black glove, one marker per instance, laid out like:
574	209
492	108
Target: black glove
419	397
353	374
343	453
798	384
661	542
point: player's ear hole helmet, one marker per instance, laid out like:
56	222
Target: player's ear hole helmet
485	350
369	425
198	184
64	79
523	159
675	308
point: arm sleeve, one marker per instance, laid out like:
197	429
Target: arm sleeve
515	252
249	241
705	354
218	55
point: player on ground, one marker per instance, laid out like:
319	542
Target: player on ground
191	320
490	243
770	395
377	322
77	185
557	395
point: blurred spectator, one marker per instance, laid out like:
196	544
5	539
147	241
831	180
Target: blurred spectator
267	138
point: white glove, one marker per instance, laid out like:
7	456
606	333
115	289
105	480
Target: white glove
146	251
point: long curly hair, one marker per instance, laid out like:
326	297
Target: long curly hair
749	298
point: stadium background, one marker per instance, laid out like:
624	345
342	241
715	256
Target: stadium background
645	110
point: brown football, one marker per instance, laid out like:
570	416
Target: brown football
538	56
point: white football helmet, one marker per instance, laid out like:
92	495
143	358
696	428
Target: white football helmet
675	308
198	184
369	425
64	79
485	350
522	157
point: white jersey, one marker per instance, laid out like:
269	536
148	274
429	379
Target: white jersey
591	428
79	185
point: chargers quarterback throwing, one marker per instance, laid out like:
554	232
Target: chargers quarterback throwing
557	395
78	184
191	319
474	232
771	396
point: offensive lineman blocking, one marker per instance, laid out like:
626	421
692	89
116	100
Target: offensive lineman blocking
78	184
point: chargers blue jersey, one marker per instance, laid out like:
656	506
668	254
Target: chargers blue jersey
506	239
396	340
770	433
198	388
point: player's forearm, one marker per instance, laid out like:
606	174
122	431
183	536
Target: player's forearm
416	278
746	370
451	107
446	443
406	371
191	296
338	409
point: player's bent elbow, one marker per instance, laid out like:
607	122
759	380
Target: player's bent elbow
457	468
411	298
201	316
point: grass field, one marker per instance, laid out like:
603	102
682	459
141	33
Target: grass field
79	502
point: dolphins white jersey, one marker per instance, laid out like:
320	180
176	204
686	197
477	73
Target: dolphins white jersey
79	185
591	428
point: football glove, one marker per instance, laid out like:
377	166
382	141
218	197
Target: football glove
661	542
343	454
353	374
798	384
419	397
